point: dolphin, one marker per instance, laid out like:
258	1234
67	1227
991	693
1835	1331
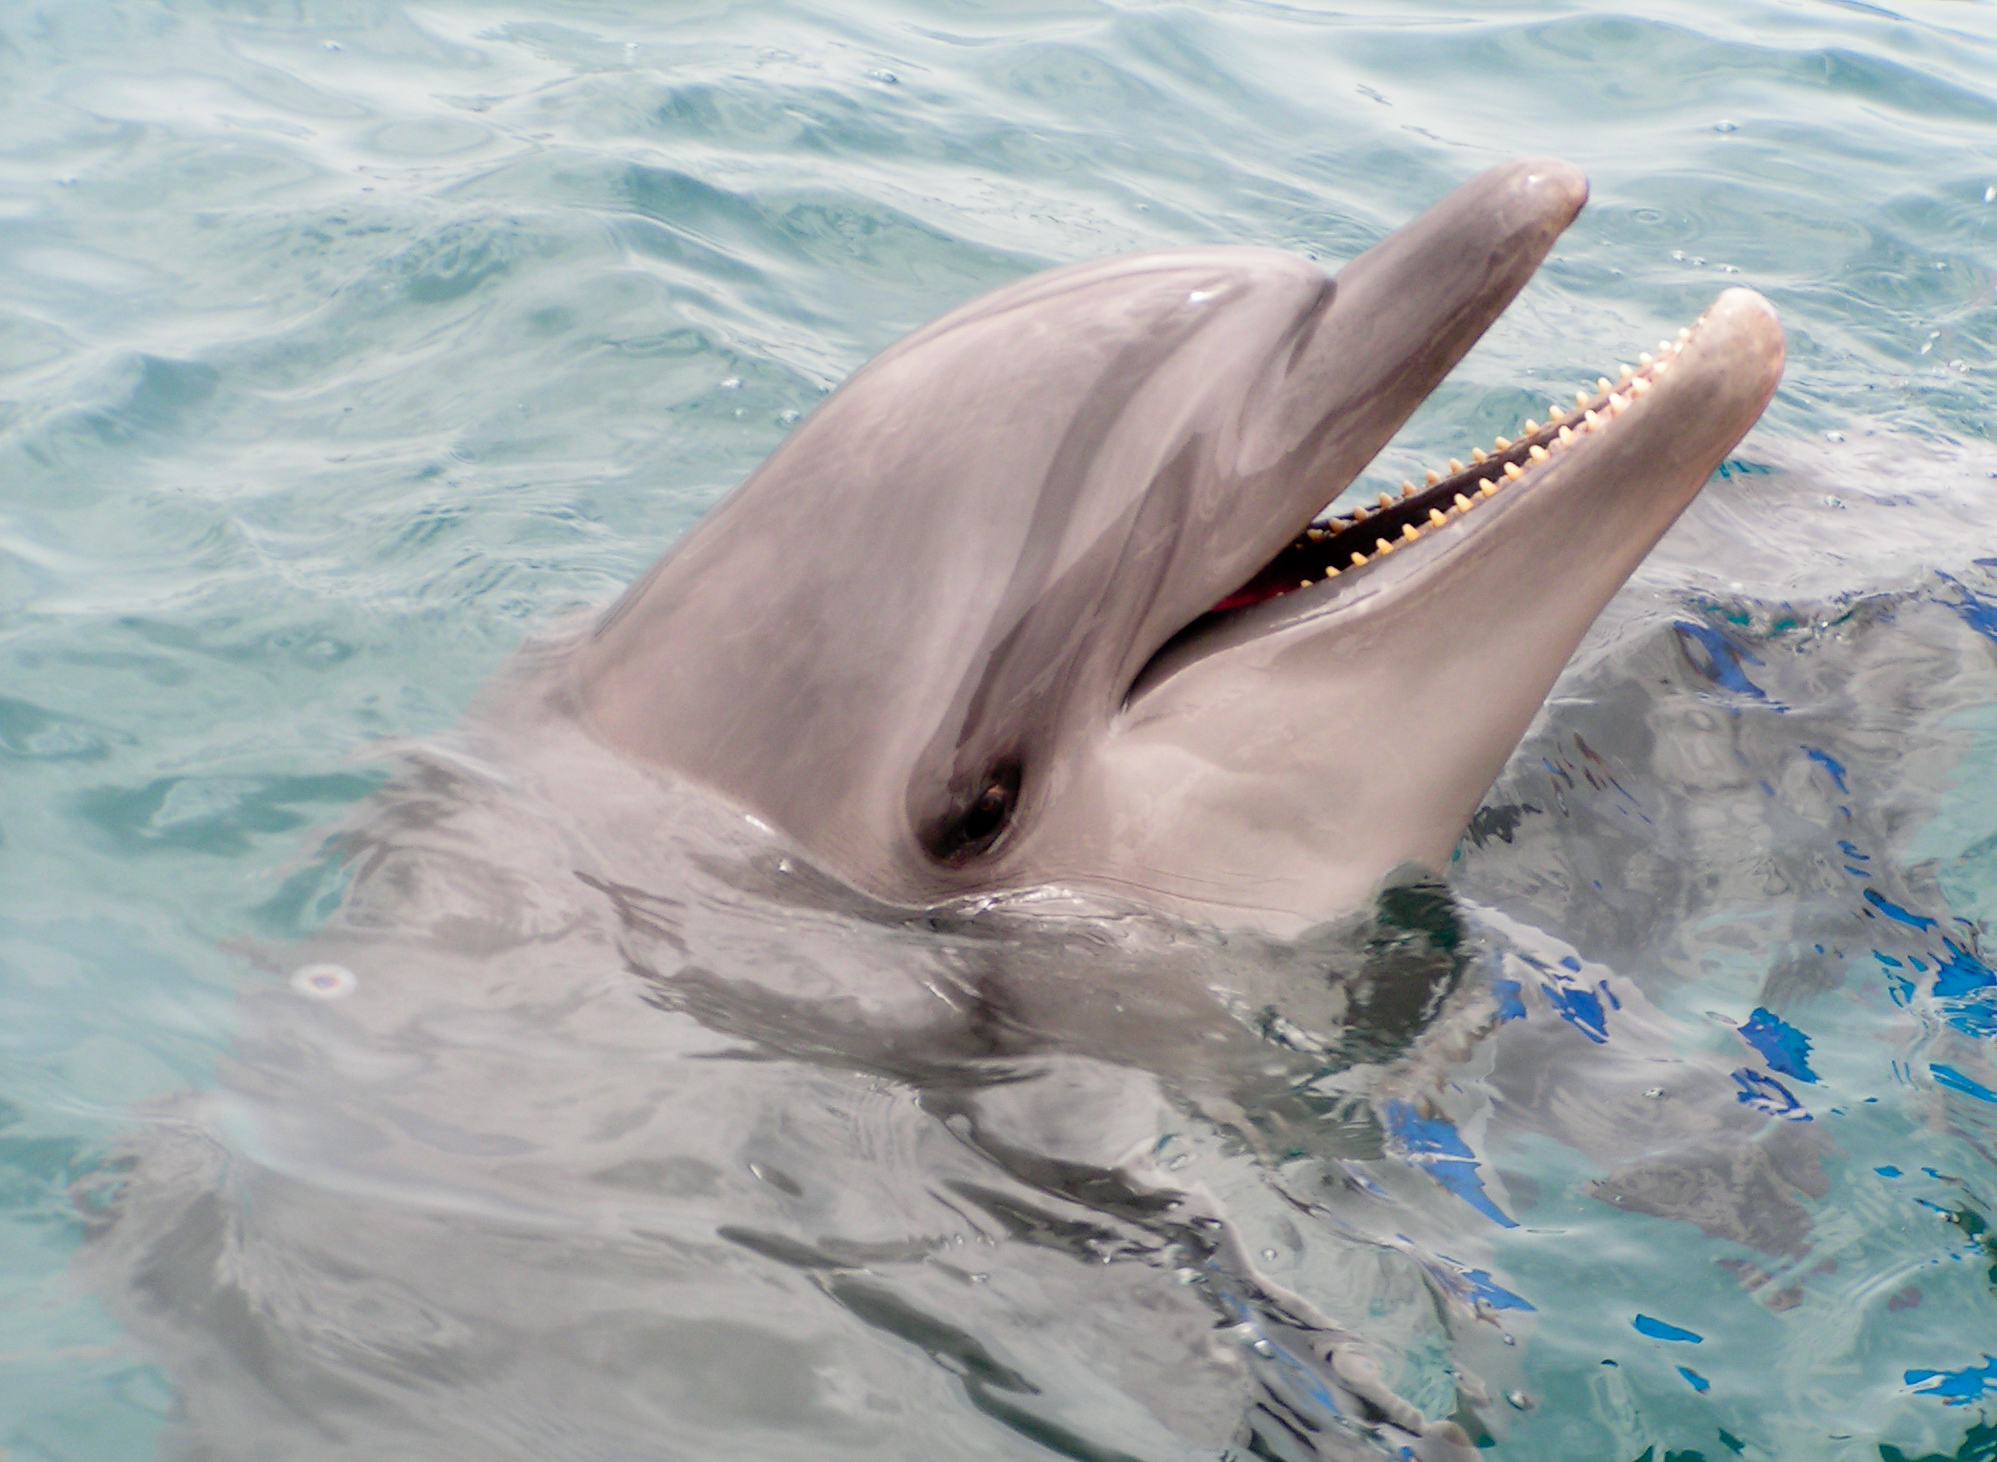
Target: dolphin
1047	593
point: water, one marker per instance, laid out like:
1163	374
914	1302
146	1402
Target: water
344	346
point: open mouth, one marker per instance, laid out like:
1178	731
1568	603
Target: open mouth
1336	545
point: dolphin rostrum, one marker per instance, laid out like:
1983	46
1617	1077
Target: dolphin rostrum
1046	593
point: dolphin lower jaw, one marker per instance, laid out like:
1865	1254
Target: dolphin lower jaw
1277	760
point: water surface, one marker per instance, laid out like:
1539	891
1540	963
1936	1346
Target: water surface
342	347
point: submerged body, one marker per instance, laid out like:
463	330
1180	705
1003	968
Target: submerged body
1004	611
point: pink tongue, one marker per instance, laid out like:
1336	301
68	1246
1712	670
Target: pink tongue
1250	594
1263	586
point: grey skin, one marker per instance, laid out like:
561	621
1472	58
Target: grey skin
923	639
513	1183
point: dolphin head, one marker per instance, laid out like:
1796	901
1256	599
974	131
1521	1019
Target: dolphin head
1044	593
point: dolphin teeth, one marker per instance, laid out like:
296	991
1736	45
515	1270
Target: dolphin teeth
1536	444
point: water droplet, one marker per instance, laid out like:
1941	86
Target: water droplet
1833	436
884	76
1726	126
733	383
324	982
1653	1092
1990	194
1269	1254
1519	1400
331	45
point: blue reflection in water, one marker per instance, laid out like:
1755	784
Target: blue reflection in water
1957	1388
1434	1145
1782	1046
1660	1330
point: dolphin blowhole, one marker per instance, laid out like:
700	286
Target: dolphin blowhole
1072	611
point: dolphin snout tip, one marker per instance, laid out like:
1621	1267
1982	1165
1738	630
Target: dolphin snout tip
1557	190
1747	309
1751	330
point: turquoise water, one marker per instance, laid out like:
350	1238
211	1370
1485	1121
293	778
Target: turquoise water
344	346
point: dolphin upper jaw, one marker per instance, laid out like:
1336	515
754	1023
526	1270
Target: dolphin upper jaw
1324	738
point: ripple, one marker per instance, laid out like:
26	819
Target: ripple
341	347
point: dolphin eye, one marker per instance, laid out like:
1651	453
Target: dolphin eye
978	826
987	815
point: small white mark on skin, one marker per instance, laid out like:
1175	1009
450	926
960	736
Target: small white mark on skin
324	981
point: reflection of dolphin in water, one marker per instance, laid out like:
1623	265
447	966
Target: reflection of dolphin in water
1037	596
630	1134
